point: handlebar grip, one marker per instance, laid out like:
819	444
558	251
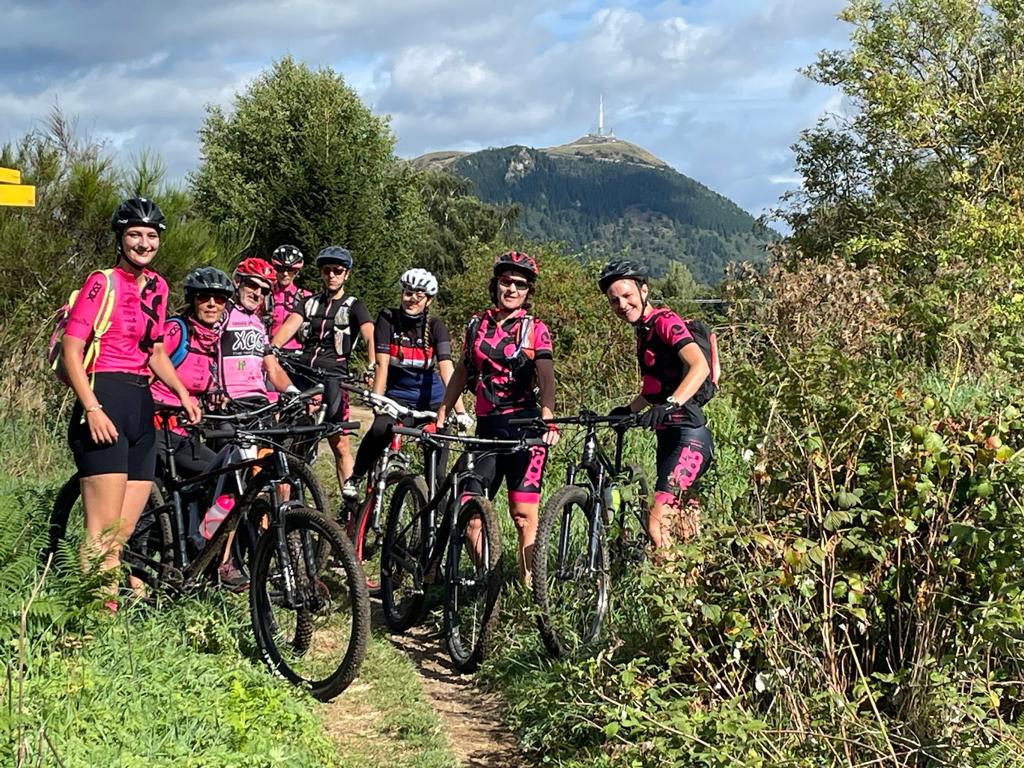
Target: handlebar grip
398	429
532	421
218	434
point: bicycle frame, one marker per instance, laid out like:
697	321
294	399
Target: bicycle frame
447	498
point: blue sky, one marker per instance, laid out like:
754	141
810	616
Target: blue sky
710	86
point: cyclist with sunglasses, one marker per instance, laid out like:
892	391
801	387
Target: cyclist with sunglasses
287	261
328	324
245	352
414	363
506	357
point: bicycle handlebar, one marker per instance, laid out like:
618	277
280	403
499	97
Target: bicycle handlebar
482	442
268	432
583	418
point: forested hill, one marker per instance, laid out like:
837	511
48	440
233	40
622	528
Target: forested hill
602	195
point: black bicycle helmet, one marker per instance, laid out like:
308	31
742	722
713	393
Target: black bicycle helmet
207	280
136	211
287	256
334	254
618	270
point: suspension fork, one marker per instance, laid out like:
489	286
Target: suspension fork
278	530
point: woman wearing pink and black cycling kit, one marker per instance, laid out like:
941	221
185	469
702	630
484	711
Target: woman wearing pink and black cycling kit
111	432
674	369
195	334
509	353
286	260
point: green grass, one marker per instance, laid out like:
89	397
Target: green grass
167	688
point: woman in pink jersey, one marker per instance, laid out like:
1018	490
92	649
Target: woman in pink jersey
674	370
506	355
287	261
111	432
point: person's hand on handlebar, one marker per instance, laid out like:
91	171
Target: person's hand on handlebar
192	411
463	421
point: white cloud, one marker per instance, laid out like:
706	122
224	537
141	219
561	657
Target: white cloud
708	85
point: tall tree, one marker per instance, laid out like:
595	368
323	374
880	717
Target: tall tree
300	159
923	177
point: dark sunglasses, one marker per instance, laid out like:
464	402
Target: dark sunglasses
218	298
511	282
263	290
329	270
288	270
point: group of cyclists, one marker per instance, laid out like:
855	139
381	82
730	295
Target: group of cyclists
234	330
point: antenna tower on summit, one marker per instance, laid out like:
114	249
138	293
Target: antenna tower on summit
601	131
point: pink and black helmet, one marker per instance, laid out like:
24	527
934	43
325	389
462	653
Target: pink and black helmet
517	261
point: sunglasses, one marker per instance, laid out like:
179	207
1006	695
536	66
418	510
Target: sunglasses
261	289
218	298
327	270
511	282
288	270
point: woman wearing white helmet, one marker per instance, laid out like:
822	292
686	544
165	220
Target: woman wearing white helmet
413	363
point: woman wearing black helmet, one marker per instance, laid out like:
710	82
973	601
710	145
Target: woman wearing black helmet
507	354
111	432
674	370
328	325
287	260
191	340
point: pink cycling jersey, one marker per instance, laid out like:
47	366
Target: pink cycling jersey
136	323
659	338
284	301
505	380
197	371
243	345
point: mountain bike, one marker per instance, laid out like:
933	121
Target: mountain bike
450	535
598	519
308	603
199	493
363	519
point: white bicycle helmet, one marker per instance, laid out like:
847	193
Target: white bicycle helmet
419	280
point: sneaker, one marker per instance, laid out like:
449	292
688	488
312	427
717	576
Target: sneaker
231	577
350	490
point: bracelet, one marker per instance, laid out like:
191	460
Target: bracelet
92	408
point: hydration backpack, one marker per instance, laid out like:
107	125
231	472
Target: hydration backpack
181	350
708	344
318	304
522	353
100	325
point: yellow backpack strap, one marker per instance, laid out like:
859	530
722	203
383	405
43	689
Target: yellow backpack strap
101	323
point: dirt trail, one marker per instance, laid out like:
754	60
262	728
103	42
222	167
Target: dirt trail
472	718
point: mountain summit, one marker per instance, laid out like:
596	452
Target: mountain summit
602	195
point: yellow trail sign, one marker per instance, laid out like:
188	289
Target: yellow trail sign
13	192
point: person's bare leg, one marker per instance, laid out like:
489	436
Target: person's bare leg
524	515
343	457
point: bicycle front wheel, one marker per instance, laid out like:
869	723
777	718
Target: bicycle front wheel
473	585
308	603
401	560
369	530
570	572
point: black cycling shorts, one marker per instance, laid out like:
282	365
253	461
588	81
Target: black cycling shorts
684	454
191	457
127	402
522	472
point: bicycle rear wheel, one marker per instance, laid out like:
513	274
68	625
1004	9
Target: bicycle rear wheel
570	575
473	584
316	638
149	551
401	561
